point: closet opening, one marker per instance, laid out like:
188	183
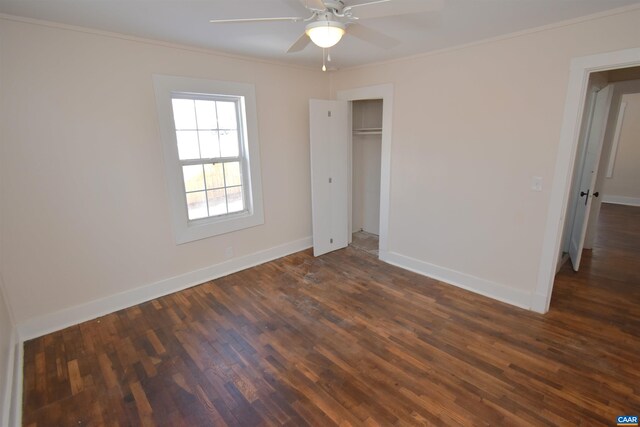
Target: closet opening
366	153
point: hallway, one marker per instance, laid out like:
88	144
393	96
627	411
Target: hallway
608	283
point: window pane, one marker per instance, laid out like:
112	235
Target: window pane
214	175
206	114
217	202
234	199
184	113
187	144
229	143
227	115
209	146
232	174
197	205
193	178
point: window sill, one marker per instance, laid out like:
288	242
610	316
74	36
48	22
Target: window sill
209	227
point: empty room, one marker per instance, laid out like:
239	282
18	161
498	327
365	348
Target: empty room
319	212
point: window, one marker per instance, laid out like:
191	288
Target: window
209	134
210	152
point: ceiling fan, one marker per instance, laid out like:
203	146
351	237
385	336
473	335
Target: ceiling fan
329	20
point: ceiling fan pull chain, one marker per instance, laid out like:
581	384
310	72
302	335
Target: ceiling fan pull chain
324	66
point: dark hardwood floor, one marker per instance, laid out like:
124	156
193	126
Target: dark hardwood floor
345	339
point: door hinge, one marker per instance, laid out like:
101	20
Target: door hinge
330	180
330	240
328	113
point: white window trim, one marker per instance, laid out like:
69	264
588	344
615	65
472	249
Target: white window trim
186	230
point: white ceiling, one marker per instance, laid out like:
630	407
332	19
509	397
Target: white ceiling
187	22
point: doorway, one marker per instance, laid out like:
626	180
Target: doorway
582	69
583	193
366	152
603	120
330	123
376	102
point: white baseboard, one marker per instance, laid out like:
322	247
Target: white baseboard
621	200
48	323
539	303
471	283
10	374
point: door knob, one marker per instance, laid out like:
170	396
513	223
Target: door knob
596	194
586	199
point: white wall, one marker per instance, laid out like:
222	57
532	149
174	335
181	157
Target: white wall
85	208
471	127
625	182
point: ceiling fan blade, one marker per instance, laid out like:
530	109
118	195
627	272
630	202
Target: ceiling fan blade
366	3
243	20
314	5
300	44
382	8
372	36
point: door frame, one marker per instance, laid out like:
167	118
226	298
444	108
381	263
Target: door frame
384	92
580	70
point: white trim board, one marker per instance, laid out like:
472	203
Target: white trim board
11	375
10	405
580	70
56	321
621	200
15	415
465	281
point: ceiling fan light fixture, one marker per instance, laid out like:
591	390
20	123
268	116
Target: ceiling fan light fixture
325	33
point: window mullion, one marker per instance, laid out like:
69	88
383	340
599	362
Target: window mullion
212	160
197	131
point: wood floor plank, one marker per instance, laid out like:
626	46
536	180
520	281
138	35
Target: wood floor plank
345	339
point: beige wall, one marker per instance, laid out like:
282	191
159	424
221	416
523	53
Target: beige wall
471	127
84	207
85	210
625	181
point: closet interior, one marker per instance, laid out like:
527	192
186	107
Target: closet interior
366	155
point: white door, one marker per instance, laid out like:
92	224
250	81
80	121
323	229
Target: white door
595	138
329	128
